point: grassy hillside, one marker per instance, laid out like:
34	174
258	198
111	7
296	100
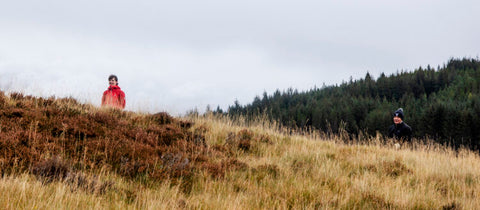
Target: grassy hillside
58	153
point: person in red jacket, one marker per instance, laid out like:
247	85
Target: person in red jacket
113	96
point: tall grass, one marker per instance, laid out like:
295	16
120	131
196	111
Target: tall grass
308	173
257	164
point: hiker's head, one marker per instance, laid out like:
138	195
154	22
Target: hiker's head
112	80
398	116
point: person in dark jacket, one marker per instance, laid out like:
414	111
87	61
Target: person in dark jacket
400	130
113	96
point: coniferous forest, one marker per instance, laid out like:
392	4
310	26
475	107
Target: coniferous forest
442	104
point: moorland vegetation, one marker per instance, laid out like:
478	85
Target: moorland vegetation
62	154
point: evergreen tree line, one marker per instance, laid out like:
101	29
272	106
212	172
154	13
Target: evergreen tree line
442	103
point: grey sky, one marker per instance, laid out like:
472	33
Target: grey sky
176	55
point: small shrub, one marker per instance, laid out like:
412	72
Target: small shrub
182	204
175	161
299	165
215	170
187	183
451	206
129	195
395	168
16	96
14	113
330	156
197	138
270	169
376	201
203	129
390	168
133	169
231	139
52	169
265	139
218	170
267	170
234	164
244	145
3	99
185	124
241	140
162	118
79	180
245	135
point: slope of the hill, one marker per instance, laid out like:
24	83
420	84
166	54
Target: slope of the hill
442	103
36	133
57	153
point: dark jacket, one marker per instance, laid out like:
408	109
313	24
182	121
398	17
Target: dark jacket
401	132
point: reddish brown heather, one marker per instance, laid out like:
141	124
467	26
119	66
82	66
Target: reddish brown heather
37	130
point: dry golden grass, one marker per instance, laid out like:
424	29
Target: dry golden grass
275	170
310	173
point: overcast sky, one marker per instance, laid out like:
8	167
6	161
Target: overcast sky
176	55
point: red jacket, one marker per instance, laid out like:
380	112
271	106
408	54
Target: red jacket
114	97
